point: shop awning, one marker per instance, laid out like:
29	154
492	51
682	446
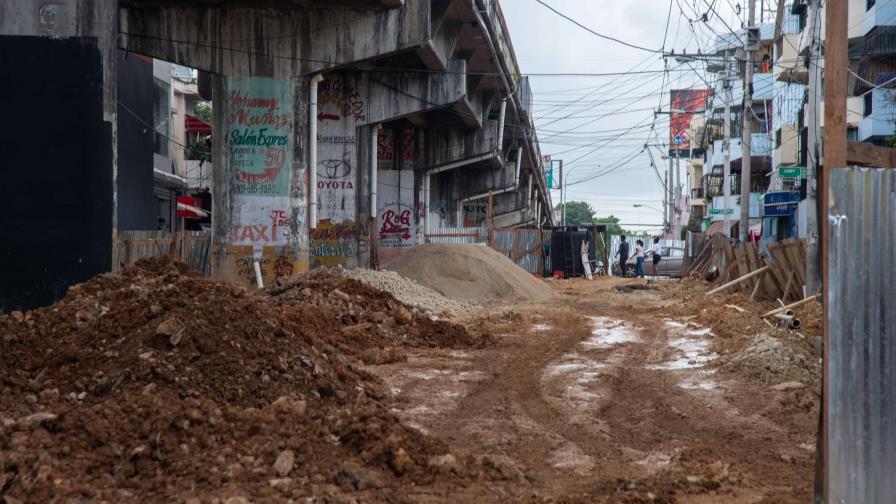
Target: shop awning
718	227
194	124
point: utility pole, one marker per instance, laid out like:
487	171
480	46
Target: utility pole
665	203
813	273
670	179
726	173
675	206
835	78
746	129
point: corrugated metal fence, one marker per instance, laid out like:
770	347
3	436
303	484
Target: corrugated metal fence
861	355
192	247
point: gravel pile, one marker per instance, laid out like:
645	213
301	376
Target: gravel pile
410	292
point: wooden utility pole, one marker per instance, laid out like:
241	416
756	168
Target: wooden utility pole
835	78
747	129
671	197
813	271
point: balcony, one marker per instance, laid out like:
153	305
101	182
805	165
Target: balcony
760	145
763	90
789	66
882	13
763	86
882	118
697	196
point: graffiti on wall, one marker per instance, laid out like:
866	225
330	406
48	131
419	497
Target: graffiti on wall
339	244
400	208
341	109
264	218
238	262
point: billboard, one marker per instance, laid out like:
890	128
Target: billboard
690	101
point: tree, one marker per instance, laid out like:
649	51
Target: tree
203	110
613	227
578	213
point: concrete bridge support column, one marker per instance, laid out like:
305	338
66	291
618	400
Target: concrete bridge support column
260	205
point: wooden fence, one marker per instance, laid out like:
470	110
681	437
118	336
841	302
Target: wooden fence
191	247
778	273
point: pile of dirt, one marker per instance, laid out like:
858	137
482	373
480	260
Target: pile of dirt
410	292
363	321
155	384
470	273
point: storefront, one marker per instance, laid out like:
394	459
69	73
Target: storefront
778	215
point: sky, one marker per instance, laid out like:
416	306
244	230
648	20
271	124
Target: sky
598	125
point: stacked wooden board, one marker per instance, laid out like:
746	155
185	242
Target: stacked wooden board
778	273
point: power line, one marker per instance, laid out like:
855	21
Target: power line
606	37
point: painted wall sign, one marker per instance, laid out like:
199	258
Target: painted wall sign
260	147
259	136
341	110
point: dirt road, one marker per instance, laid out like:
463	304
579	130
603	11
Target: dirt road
603	395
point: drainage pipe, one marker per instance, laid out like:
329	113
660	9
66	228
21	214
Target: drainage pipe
374	137
514	187
785	317
501	125
427	179
258	280
312	146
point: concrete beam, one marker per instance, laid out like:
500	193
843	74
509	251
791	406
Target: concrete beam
444	146
395	95
270	42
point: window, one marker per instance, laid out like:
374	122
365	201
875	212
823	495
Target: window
869	4
868	100
161	116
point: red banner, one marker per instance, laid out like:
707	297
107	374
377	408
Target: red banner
189	201
690	101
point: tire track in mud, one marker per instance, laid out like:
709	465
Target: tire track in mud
646	410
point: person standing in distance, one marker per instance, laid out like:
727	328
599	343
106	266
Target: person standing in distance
622	254
639	258
657	253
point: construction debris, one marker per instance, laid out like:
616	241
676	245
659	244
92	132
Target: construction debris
778	273
155	384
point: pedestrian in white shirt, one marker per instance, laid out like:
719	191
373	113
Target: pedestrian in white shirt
639	261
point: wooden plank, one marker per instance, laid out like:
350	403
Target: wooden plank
752	260
787	287
866	154
727	273
797	263
739	280
758	284
743	267
779	274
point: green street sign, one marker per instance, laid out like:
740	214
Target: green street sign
792	171
719	211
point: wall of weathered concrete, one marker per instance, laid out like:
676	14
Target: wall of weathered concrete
348	104
274	42
260	161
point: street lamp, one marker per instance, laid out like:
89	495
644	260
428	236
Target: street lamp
639	205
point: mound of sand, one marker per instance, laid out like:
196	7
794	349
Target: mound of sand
469	273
